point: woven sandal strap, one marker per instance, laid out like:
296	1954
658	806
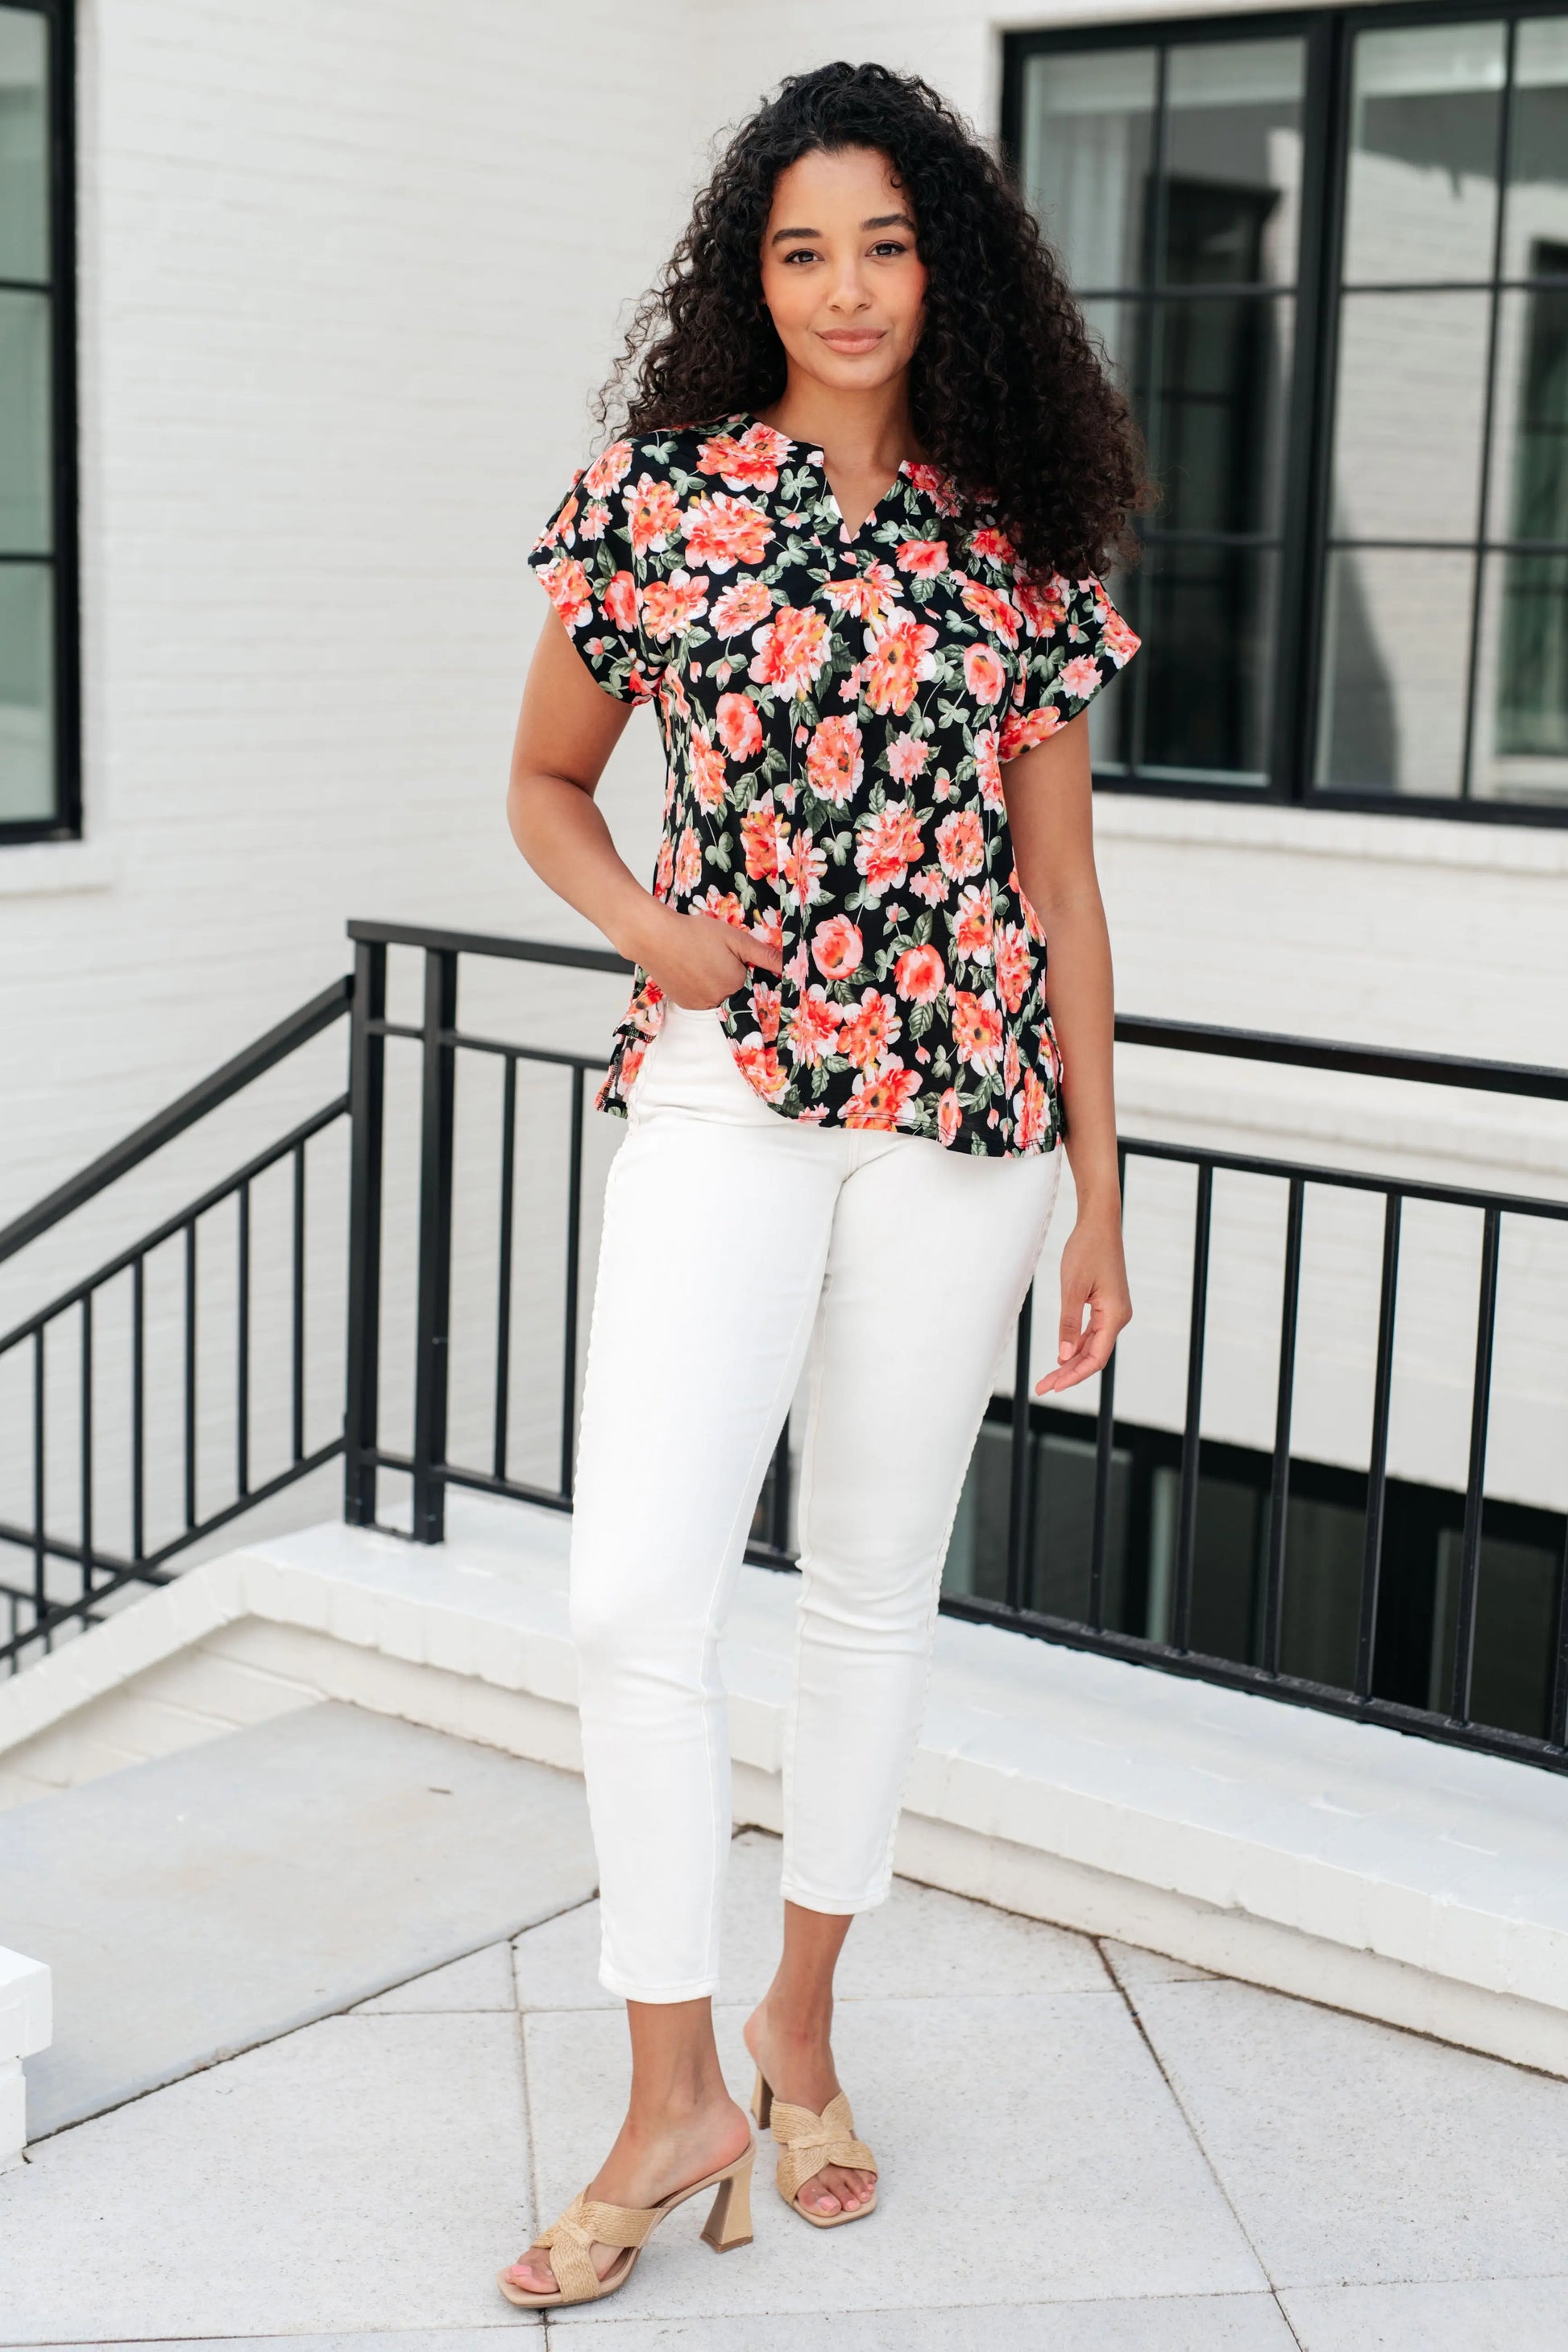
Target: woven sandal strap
586	2223
806	2142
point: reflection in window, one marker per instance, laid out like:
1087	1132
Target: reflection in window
27	779
1532	682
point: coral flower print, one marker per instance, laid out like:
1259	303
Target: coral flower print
741	607
985	674
1080	677
884	1099
870	1031
833	764
791	650
739	729
992	609
918	975
749	462
566	586
837	947
977	1030
707	773
813	1026
653	517
889	845
897	659
608	470
722	531
835	715
961	845
972	935
670	606
906	758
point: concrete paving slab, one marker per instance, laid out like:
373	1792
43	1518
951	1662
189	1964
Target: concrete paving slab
209	1900
482	1981
1456	2316
1030	2142
1355	2154
366	2173
1240	2323
921	1944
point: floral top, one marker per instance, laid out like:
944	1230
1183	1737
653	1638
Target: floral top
835	712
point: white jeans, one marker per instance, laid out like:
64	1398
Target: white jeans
729	1232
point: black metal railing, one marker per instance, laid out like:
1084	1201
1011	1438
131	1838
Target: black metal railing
432	1470
72	1570
1099	1612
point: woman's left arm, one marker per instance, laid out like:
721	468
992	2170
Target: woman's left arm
1051	816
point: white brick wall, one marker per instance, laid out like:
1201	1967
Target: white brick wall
347	273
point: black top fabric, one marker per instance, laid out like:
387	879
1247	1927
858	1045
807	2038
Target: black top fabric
835	712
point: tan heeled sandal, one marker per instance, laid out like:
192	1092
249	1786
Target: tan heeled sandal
587	2224
805	2143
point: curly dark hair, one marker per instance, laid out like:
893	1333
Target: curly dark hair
1007	392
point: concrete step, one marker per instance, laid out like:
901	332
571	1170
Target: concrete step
1374	1873
198	1904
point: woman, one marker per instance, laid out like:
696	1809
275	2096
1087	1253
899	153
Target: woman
846	546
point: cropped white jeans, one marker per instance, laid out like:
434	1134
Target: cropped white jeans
731	1236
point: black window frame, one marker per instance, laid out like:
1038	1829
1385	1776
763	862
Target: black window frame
65	822
1328	35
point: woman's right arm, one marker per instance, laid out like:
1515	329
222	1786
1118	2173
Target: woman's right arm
566	732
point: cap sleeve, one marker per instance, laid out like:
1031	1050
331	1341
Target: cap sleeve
1073	643
588	568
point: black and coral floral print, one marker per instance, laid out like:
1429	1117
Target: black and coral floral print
835	712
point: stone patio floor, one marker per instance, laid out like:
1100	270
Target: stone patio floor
1086	2149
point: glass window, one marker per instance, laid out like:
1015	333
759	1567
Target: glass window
1355	581
35	797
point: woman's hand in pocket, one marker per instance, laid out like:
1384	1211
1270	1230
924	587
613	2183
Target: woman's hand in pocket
698	961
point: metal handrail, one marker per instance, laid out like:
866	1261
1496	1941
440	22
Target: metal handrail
296	1030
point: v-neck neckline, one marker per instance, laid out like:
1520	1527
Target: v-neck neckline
812	454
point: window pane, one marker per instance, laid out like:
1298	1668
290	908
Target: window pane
1223	366
1529	461
1088	138
24	145
1233	145
1396	640
1423	173
24	424
1521	682
1407	426
27	692
1208	623
1538	190
1110	714
1122	329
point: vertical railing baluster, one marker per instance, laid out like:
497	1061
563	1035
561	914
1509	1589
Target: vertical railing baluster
1557	1696
367	1105
1187	1510
574	1253
84	1465
40	1539
1104	1454
1377	1457
139	1409
1019	1483
242	1350
296	1325
503	1270
190	1415
432	1336
1475	1483
1279	1482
